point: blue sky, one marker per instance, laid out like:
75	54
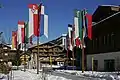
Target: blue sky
60	14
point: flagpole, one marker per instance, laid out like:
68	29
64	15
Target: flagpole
24	47
73	58
82	56
39	10
24	56
38	55
67	57
73	53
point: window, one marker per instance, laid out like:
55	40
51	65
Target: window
96	44
93	43
99	42
109	37
109	65
104	40
108	40
112	40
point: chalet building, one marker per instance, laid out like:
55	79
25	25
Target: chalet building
49	49
105	45
7	54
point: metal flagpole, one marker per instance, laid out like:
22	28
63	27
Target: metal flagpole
67	57
92	64
50	61
25	57
82	56
39	13
24	47
73	58
73	48
38	55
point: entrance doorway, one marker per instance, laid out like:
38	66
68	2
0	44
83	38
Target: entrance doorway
95	63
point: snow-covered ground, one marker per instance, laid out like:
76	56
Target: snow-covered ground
100	75
29	74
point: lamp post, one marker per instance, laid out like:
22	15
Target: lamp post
1	60
6	55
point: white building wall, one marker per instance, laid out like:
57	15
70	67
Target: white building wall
101	57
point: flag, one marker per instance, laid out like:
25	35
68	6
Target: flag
89	18
26	32
64	41
77	41
23	34
69	35
44	25
20	34
31	40
81	25
20	31
86	24
73	36
42	10
84	27
33	20
67	44
27	39
76	23
14	39
78	27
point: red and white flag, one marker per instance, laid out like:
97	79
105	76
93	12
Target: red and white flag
69	35
21	26
33	20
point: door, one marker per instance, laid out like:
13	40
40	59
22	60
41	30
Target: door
95	62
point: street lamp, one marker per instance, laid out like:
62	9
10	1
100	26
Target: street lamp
1	60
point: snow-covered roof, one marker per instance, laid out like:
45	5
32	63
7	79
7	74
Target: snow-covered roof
111	5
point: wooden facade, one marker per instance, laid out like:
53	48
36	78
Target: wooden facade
49	49
7	54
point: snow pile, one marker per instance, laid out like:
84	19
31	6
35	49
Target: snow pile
101	75
3	77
